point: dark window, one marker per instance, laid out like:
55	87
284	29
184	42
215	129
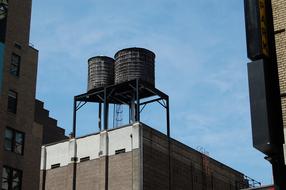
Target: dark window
14	141
12	101
55	166
18	46
84	159
15	64
11	179
120	151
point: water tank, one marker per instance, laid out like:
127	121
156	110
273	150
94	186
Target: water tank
100	72
132	63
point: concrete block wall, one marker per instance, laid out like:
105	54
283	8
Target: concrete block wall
93	146
92	153
144	165
279	16
190	170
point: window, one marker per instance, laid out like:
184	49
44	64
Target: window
15	64
84	159
55	166
11	179
17	45
120	151
12	101
14	141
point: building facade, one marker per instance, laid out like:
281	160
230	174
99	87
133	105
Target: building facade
22	117
133	157
21	137
279	16
51	131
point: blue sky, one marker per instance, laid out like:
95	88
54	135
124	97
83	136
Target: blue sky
200	63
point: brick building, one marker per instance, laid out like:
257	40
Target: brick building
51	131
21	137
279	16
21	129
132	157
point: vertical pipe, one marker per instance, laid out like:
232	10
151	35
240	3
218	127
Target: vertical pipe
44	174
137	116
74	174
44	163
99	116
169	143
107	163
74	160
279	168
74	118
141	158
44	179
132	162
105	116
74	136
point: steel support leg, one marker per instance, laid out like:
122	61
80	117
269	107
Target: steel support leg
137	115
99	116
74	119
105	116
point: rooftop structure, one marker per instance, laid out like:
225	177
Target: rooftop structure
132	157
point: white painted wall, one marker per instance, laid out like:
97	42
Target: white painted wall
58	153
88	146
120	139
94	146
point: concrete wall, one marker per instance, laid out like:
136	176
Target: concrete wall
60	178
138	168
123	169
93	146
90	175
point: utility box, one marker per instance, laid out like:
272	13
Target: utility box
264	132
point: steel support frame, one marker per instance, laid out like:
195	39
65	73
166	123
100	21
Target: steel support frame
107	94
